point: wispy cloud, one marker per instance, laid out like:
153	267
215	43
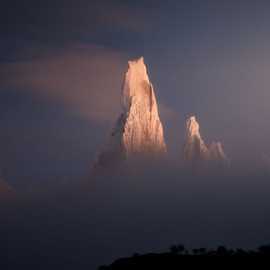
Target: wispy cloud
86	78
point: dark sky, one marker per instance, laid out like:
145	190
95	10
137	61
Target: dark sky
62	65
61	69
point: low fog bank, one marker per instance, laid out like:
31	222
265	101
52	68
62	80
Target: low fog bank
138	207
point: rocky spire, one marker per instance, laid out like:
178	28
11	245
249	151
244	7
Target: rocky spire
195	150
138	129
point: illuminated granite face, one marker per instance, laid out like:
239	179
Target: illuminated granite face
195	150
138	129
143	131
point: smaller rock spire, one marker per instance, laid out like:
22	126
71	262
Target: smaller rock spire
195	150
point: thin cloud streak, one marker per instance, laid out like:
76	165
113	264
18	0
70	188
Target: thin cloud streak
86	78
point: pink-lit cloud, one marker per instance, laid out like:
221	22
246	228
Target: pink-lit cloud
87	79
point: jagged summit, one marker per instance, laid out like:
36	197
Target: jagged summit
136	84
195	150
143	129
195	147
138	129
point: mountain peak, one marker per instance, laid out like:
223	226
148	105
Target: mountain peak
138	129
139	60
195	149
136	82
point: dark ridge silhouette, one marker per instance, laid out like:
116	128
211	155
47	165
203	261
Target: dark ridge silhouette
177	255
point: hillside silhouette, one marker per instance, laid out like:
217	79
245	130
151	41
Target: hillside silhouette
177	256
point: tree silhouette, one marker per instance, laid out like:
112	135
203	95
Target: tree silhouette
177	253
264	250
177	249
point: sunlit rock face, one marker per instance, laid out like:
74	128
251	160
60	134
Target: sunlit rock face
196	151
143	131
138	129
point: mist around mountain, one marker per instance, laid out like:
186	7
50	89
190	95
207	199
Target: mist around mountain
142	207
140	204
